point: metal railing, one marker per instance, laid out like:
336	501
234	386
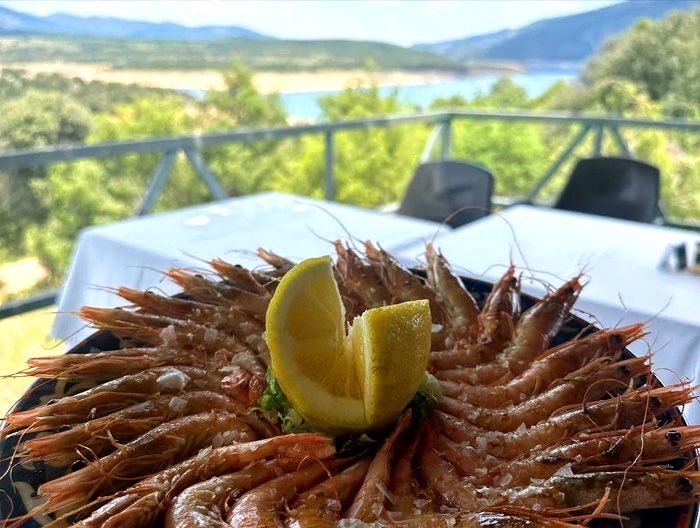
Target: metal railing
192	146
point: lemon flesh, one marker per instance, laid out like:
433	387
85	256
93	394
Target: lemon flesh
344	383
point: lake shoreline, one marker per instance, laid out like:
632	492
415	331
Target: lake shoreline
266	82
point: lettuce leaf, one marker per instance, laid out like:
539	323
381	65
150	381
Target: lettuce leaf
276	405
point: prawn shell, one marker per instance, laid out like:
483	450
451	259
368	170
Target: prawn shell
44	390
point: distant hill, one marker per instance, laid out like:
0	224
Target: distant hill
259	54
127	44
15	22
556	41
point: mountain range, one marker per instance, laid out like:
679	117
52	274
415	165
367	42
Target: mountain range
563	40
15	22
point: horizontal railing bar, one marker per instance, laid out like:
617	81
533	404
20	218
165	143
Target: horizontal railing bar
34	302
588	119
38	157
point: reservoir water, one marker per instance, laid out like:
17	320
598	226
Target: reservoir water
304	105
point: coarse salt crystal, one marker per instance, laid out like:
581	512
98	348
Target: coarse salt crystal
168	335
505	480
177	405
385	491
352	523
481	443
420	503
480	471
173	379
204	453
564	471
210	335
224	438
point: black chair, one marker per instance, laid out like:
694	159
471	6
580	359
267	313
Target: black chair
439	188
615	187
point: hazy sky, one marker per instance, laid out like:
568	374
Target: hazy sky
401	22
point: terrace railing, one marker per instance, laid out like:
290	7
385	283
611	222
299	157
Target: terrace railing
192	145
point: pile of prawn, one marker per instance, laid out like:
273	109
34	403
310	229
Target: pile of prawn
526	433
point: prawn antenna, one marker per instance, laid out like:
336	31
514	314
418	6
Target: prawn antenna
351	237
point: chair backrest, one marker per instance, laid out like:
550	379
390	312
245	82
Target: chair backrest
439	188
615	187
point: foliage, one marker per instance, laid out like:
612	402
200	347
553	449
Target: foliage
35	119
662	58
372	167
522	152
243	168
39	119
279	409
96	191
95	95
276	405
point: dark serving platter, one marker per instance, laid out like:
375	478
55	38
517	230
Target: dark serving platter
18	485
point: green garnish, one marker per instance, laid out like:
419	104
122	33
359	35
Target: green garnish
276	405
279	409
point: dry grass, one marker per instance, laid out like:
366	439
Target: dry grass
22	337
20	276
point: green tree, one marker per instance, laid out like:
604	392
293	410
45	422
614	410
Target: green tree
662	58
516	153
34	119
96	191
371	167
103	190
247	167
240	104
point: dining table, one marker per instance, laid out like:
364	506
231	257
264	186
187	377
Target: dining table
136	252
620	263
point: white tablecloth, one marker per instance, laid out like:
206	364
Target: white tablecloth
135	252
620	260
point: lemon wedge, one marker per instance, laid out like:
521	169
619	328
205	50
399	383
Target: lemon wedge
344	382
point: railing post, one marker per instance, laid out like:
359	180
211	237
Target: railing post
598	147
621	143
554	167
158	181
435	133
446	138
202	169
328	176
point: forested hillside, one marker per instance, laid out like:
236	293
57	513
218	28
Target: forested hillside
568	39
259	54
